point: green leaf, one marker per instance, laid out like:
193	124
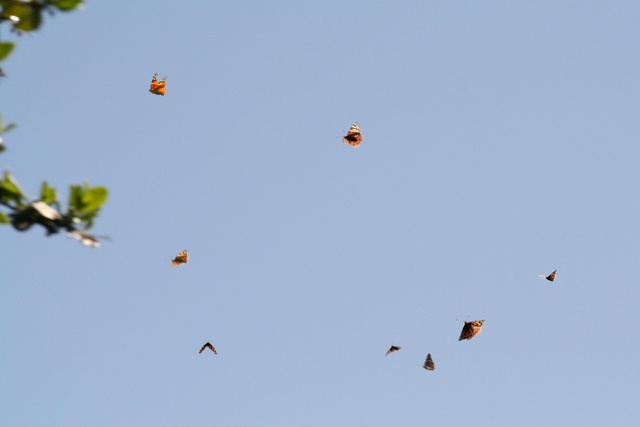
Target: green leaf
48	194
93	198
10	192
75	198
9	127
85	203
83	199
5	49
3	130
3	218
25	17
67	5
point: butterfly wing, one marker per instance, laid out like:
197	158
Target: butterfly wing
180	259
471	329
392	349
353	137
158	87
465	334
209	346
551	277
428	363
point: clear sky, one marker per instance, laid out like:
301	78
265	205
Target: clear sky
501	142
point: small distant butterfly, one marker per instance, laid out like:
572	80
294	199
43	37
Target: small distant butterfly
428	363
209	346
158	87
392	349
471	329
180	259
550	277
353	137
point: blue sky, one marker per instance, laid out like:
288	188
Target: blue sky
500	143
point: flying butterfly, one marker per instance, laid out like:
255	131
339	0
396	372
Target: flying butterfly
180	259
550	277
471	329
209	346
158	87
392	349
428	363
353	137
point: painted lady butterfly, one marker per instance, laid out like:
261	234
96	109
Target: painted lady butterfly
180	259
353	137
550	277
428	363
471	329
158	87
209	346
392	349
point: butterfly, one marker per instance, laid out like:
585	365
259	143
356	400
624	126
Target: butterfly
180	259
550	277
353	137
158	87
428	363
471	329
392	349
209	346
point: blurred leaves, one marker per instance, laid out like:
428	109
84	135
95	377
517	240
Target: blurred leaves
5	49
84	206
10	193
4	130
48	194
24	17
84	201
27	15
66	5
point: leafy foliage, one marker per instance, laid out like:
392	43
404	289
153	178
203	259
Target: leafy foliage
83	207
4	129
85	202
27	16
5	49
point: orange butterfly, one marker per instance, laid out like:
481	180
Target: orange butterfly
392	349
471	329
353	137
180	259
550	277
158	87
209	346
428	363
